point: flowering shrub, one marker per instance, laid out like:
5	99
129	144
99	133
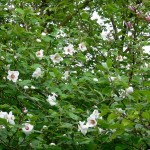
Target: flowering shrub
72	80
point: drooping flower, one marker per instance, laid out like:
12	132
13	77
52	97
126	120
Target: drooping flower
82	47
95	114
11	118
56	58
27	129
91	121
83	127
13	75
52	99
37	73
69	50
39	54
129	90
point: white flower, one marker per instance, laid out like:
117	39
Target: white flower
11	118
52	99
82	127
69	50
95	79
95	114
37	73
43	34
66	75
39	54
52	144
13	75
56	58
91	121
82	47
25	87
3	114
129	90
27	129
32	87
38	40
119	58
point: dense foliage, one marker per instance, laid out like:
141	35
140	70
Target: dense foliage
69	81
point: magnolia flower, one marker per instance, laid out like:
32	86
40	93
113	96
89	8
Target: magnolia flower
13	75
37	73
52	99
56	58
69	50
82	127
129	90
91	121
82	47
39	54
27	129
66	75
38	40
119	58
95	114
11	118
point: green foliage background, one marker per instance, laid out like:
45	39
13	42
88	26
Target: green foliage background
79	95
